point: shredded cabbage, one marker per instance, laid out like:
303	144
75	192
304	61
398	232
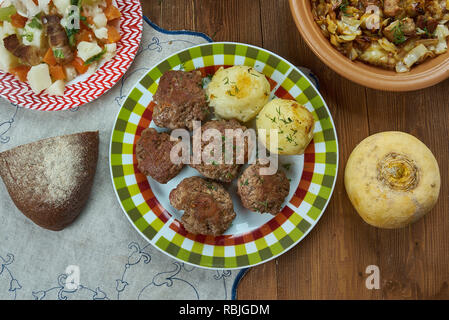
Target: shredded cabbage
376	55
349	26
365	32
387	45
441	32
400	67
415	55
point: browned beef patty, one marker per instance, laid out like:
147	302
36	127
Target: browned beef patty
153	156
180	99
263	193
207	206
219	170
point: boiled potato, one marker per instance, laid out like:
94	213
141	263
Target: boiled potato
57	88
87	50
111	50
70	72
100	20
62	6
39	77
101	33
238	92
292	123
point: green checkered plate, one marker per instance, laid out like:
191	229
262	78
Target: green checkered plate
253	238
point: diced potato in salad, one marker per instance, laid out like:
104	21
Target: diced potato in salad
48	43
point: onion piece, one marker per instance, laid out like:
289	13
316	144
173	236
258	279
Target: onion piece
415	55
442	32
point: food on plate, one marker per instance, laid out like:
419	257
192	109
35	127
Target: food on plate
391	34
153	155
39	77
28	54
68	41
263	193
207	206
56	88
180	100
50	180
238	92
292	124
57	39
392	179
221	169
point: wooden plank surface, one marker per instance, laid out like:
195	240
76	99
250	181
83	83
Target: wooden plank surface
330	262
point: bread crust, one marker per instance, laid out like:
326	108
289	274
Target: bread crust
50	180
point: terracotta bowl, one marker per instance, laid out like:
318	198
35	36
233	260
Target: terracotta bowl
421	76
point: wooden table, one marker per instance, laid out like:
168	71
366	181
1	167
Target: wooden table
330	263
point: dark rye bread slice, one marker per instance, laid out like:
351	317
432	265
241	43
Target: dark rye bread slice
50	180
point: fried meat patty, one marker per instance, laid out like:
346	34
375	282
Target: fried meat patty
153	156
180	99
207	206
217	170
263	193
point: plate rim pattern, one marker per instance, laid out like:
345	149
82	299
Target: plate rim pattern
156	224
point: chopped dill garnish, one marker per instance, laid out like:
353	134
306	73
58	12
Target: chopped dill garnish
344	7
278	110
211	186
229	175
265	204
290	139
272	119
398	34
288	121
428	34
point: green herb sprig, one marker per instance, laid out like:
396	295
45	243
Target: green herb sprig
35	23
398	34
58	53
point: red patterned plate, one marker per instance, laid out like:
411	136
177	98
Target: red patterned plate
95	85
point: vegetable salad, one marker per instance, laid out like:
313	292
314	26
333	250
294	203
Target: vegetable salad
48	43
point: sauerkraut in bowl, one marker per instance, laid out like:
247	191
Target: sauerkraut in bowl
51	43
393	34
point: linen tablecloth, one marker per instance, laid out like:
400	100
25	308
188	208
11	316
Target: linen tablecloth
113	261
